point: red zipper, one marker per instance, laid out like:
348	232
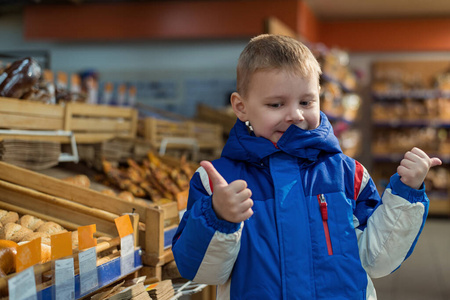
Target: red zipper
324	212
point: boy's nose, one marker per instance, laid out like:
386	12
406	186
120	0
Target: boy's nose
295	116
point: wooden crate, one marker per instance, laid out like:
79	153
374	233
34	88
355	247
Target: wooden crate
155	130
208	136
97	123
72	206
90	123
211	115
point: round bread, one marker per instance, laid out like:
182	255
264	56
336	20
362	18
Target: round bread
127	196
13	232
51	228
45	237
109	192
3	213
10	217
80	180
8	251
30	222
46	253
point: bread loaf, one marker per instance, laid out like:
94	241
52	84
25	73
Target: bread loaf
30	222
8	251
13	232
51	228
9	217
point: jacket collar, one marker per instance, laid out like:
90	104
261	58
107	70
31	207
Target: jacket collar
306	144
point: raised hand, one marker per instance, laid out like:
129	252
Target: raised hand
230	202
414	167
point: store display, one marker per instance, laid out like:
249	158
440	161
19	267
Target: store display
411	108
338	97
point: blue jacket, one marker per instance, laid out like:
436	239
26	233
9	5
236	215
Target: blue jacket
319	230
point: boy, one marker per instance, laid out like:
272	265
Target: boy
284	214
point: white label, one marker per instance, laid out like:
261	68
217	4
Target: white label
64	279
88	270
126	254
23	286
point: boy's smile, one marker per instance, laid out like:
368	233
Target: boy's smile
276	99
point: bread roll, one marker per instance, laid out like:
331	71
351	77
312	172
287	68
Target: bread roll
46	253
30	222
109	192
3	213
13	232
127	196
80	180
51	228
8	251
75	239
10	217
45	237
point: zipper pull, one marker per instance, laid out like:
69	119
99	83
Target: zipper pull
323	206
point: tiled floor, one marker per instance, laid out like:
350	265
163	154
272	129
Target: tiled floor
426	273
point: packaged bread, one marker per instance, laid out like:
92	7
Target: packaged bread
8	251
30	222
13	232
46	251
80	180
51	228
9	217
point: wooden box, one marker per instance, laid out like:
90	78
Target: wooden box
28	192
90	123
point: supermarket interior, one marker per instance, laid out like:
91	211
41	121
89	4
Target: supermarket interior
107	108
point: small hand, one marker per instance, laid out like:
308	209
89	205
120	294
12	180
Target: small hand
414	167
230	202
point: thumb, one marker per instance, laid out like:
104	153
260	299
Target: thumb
435	162
214	176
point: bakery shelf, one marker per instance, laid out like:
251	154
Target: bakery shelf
108	273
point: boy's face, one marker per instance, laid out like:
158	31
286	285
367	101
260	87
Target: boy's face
277	99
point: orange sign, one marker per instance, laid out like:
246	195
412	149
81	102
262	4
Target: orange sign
28	254
123	224
61	245
86	237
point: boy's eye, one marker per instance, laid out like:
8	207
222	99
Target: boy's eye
305	103
274	105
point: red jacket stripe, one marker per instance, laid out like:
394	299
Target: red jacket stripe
359	174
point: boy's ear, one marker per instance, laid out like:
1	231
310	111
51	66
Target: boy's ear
238	105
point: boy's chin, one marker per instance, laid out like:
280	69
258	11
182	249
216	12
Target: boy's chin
303	126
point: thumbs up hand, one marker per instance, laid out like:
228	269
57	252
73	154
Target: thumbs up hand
230	202
414	167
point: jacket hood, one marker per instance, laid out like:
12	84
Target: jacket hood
243	145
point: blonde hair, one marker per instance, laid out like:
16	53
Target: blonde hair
269	51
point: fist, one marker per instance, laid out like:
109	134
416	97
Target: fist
414	167
230	202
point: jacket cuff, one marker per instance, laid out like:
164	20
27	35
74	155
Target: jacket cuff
214	222
406	192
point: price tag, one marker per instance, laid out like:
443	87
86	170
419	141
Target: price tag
88	270
127	254
23	286
124	226
86	237
28	254
61	245
64	279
